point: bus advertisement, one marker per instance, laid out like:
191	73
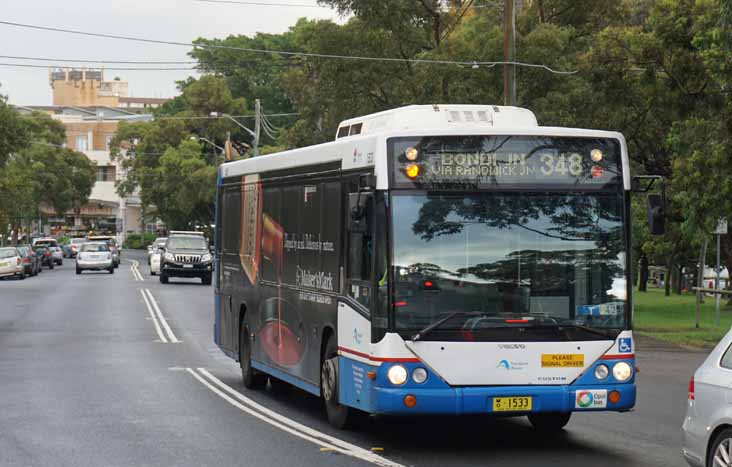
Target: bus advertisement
451	259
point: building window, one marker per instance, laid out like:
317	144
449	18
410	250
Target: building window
82	143
105	173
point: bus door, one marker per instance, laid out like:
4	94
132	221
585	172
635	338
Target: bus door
360	244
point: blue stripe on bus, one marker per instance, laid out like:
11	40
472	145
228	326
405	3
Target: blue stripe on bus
279	374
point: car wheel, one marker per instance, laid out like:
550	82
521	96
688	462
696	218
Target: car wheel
339	415
50	266
251	378
206	280
78	271
549	422
163	279
111	270
21	276
60	262
721	451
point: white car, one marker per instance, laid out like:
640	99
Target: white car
52	244
155	262
11	264
708	424
94	256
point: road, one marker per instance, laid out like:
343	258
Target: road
90	376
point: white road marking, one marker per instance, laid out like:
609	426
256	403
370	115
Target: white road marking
136	271
255	409
155	306
152	315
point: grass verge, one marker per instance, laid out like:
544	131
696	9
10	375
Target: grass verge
671	319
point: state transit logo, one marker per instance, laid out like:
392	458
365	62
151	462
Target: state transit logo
504	364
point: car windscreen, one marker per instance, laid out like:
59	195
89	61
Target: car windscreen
187	243
49	243
76	241
94	247
7	253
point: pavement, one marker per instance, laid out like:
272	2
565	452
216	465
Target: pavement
120	370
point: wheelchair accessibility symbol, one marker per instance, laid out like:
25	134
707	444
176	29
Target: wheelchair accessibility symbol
625	345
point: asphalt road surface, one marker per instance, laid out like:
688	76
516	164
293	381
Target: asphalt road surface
120	370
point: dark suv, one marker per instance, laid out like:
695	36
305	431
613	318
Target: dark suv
186	254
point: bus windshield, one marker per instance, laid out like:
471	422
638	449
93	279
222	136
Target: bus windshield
510	266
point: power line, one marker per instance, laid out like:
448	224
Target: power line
471	63
123	62
263	3
28	65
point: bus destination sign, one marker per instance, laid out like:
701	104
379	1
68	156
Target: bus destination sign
495	161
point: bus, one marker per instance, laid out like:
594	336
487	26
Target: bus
433	259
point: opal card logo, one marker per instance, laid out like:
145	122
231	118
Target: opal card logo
591	399
625	345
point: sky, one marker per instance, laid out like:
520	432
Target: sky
173	20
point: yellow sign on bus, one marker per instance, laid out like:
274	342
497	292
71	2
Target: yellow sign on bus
562	360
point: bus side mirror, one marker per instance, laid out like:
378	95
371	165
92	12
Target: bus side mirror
656	214
359	205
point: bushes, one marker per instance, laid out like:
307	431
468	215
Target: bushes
136	241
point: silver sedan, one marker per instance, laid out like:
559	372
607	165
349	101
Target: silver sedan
708	423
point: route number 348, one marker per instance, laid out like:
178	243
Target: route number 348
561	165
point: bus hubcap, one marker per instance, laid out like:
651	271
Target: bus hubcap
328	375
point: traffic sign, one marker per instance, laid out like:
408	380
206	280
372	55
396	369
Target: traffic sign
721	227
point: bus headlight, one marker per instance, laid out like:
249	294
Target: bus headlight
397	375
622	371
601	371
419	375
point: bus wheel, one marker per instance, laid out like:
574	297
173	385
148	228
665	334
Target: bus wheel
549	422
252	378
338	415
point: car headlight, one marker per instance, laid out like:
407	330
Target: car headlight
169	257
397	375
419	375
622	371
601	371
205	258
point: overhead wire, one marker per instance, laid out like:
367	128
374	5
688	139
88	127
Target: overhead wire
29	65
119	62
242	2
473	63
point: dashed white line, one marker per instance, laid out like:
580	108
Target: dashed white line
280	421
154	318
161	318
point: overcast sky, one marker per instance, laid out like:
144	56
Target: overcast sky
175	20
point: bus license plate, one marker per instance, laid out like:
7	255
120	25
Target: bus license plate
512	404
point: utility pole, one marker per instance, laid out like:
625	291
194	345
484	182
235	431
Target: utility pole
257	125
509	52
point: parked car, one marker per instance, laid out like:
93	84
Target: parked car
31	261
155	247
94	256
11	263
46	257
708	424
66	250
75	244
186	254
52	244
113	247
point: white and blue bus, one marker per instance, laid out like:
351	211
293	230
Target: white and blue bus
441	259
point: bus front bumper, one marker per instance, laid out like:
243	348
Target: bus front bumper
479	399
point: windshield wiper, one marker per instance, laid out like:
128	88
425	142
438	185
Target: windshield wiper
437	323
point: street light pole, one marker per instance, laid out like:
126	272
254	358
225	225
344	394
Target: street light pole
254	134
201	138
509	53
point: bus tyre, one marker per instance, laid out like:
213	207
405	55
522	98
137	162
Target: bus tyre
549	422
251	378
338	415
